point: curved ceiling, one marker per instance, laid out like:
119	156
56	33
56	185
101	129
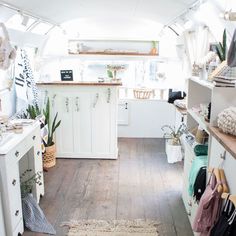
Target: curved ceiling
59	11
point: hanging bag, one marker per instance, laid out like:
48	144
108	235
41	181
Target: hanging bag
7	52
231	58
208	209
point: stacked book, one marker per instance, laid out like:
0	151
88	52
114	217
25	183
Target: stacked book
224	81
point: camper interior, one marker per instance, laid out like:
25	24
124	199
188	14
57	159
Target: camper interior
117	118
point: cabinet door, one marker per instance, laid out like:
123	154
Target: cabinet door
102	122
63	104
82	124
123	113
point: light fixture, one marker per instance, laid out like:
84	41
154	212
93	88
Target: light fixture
228	15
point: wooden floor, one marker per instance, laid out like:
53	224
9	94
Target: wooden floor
139	185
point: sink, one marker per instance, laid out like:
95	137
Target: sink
5	138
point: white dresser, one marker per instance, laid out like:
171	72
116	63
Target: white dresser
22	152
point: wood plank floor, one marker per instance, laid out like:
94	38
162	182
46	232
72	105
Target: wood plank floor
139	185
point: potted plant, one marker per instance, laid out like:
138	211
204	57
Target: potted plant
154	48
49	156
173	142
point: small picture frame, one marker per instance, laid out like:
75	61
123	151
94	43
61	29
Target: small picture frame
66	75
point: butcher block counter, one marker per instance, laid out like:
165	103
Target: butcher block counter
88	114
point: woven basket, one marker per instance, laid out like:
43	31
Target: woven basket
49	157
143	93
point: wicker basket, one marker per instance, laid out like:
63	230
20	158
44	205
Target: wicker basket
49	157
143	93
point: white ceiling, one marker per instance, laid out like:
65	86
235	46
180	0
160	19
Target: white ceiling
60	11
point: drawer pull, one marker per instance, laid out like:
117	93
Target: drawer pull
17	153
34	137
13	182
38	153
17	212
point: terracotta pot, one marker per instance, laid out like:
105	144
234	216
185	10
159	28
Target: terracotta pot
154	51
49	157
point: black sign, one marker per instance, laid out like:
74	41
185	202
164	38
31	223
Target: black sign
66	75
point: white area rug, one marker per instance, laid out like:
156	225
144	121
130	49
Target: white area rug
112	228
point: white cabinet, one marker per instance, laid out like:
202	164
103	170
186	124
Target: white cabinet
19	154
2	225
201	93
88	117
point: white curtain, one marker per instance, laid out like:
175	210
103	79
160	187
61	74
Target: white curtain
197	45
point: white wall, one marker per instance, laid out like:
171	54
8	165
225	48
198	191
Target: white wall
146	117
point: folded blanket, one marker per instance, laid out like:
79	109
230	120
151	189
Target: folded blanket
201	150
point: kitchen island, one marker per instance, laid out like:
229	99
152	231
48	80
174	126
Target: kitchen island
88	114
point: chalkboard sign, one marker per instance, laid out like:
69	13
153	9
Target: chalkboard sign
66	75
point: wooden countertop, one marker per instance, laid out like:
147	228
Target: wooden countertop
83	83
226	140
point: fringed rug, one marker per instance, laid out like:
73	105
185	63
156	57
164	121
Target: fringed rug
112	228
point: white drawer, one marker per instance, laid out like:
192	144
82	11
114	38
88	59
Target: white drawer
14	197
19	229
17	152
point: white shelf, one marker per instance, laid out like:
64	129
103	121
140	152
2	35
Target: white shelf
202	82
199	119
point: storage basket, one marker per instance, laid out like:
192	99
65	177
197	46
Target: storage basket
143	93
49	157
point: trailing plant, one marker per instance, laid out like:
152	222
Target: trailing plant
33	111
51	127
172	134
221	48
27	185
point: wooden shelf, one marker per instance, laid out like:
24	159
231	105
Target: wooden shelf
85	83
226	140
114	54
199	119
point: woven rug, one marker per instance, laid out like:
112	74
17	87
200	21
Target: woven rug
112	228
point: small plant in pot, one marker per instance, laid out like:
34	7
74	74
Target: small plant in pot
49	156
173	143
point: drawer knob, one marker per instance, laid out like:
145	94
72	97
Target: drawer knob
17	212
13	182
17	153
34	137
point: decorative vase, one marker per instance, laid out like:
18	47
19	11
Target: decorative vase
49	156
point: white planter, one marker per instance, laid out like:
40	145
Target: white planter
173	152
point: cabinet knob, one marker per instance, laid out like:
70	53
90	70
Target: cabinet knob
34	137
13	182
17	212
17	153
